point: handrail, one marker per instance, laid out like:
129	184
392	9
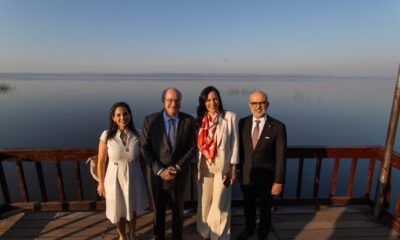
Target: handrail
297	153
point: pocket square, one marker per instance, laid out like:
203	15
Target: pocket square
267	137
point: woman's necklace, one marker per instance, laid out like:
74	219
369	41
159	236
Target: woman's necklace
124	138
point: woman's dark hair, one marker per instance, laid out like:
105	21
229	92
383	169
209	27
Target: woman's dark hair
112	127
201	108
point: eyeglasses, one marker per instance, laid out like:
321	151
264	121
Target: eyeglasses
170	100
258	103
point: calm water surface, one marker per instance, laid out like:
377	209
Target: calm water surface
72	111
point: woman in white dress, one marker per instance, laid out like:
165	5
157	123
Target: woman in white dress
123	184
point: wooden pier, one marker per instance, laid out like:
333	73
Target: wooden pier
287	222
319	216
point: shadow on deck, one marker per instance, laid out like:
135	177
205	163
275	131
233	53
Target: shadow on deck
353	222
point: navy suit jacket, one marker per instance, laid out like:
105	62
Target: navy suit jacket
155	150
269	156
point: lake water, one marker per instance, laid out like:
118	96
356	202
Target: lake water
71	110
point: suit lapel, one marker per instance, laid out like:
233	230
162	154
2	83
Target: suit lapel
179	129
161	128
266	131
247	131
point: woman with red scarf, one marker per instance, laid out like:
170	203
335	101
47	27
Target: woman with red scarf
217	144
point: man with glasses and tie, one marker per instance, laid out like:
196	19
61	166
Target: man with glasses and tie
168	147
262	151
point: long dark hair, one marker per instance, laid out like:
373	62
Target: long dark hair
201	108
112	126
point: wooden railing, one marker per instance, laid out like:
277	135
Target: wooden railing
320	155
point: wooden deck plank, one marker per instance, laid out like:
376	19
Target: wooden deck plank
326	225
288	223
335	233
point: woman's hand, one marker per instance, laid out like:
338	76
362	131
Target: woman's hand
232	171
101	167
100	190
231	174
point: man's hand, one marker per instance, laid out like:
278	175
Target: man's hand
168	174
172	171
276	189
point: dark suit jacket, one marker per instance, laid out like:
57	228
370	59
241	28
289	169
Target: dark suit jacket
269	155
155	147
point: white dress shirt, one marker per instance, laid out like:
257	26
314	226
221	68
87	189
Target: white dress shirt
262	120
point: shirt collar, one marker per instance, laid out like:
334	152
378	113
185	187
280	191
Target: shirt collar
166	117
262	119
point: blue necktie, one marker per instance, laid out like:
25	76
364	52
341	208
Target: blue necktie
171	134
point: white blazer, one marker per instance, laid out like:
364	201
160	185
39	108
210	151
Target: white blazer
227	143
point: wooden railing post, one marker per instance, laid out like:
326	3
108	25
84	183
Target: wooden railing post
60	184
397	207
22	182
332	187
387	156
78	181
352	175
317	178
299	177
42	186
4	186
371	168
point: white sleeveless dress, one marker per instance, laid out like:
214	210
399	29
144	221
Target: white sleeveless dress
124	182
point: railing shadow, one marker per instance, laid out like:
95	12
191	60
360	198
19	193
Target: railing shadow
329	223
19	224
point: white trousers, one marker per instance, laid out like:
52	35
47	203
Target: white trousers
214	203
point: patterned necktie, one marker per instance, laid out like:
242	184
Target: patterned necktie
171	134
256	133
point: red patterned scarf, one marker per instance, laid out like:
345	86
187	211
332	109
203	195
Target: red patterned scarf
207	140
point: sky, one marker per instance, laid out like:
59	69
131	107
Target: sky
341	37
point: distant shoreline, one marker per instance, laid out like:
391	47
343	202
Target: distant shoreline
175	76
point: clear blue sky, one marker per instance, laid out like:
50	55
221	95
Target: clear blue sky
341	37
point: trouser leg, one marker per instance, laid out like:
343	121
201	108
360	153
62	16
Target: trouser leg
249	207
160	205
265	204
205	190
177	195
220	211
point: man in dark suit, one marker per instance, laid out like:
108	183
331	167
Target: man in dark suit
262	151
168	147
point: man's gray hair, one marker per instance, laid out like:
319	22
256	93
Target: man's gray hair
171	88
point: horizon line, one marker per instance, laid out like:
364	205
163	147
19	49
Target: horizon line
194	74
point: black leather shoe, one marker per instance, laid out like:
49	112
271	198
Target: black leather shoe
262	236
244	235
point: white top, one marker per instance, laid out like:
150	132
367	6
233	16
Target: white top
117	151
124	182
